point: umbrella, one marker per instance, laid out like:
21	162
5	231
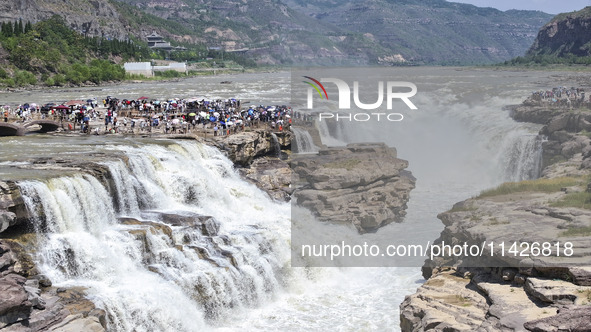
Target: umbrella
216	114
155	116
143	98
192	114
89	100
156	102
6	106
203	114
33	105
61	107
175	121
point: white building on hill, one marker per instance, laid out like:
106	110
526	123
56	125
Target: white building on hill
181	67
146	68
139	68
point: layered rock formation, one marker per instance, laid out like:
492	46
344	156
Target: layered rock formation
514	292
92	18
28	302
244	147
566	34
361	184
271	175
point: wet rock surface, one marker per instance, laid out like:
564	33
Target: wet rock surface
271	175
29	303
244	147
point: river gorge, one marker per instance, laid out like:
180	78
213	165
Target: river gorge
167	235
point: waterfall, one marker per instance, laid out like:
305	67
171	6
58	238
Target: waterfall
276	145
304	142
177	270
465	141
196	242
522	160
327	137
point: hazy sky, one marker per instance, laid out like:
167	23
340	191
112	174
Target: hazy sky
548	6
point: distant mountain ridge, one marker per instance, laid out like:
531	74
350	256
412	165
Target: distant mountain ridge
334	32
433	31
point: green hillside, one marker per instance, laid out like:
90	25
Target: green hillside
50	53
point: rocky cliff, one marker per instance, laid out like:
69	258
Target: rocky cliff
513	292
566	34
90	17
362	184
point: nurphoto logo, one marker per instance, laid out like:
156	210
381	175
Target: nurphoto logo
344	99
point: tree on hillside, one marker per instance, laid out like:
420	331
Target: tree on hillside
7	30
28	27
18	27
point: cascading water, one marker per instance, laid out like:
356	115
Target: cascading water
276	145
325	134
458	142
303	140
149	276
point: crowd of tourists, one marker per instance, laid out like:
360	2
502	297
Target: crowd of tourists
562	97
169	116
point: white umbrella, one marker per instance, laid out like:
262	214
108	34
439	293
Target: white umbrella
202	114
